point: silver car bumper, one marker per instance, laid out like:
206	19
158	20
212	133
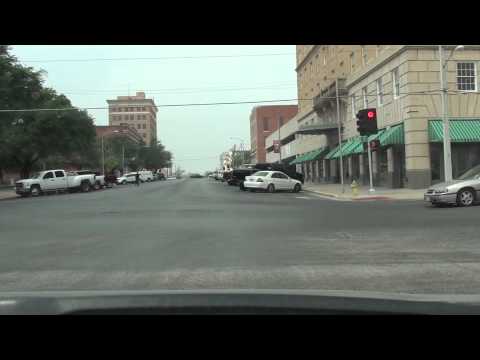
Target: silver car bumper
441	198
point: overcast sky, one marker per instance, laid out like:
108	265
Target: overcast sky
195	135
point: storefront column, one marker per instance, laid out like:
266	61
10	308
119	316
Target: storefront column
312	173
363	166
325	172
333	170
391	168
350	168
375	167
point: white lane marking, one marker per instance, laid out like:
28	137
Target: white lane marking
303	197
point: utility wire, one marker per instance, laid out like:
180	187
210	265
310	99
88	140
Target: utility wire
428	92
158	58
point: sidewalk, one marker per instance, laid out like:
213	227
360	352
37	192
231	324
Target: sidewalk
7	192
335	191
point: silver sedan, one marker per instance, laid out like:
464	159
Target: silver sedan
464	191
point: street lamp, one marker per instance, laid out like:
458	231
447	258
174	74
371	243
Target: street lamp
242	147
447	150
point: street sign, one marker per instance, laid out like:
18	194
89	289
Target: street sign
276	146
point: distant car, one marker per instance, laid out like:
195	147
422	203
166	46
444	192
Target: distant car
196	176
464	191
126	179
271	181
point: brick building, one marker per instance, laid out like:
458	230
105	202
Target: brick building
402	82
263	121
136	112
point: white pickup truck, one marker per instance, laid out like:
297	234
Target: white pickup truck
99	179
53	181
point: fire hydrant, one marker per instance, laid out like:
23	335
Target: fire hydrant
354	187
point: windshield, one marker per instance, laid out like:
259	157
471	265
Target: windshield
36	175
260	173
471	174
348	214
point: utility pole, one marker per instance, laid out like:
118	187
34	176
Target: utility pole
279	142
123	157
370	170
103	158
447	150
339	135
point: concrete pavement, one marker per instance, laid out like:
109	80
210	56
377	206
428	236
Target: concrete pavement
335	191
199	233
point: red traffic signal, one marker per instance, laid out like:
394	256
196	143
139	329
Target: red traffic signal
367	122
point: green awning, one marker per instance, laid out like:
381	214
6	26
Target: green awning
310	156
332	152
296	160
299	159
315	154
347	147
392	136
461	131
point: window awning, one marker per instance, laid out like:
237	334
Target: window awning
310	156
298	159
392	136
346	148
316	154
461	131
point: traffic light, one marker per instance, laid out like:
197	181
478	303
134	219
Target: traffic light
367	122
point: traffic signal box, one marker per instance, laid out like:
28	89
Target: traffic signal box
367	122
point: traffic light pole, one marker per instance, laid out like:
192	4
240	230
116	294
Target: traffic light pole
339	136
369	150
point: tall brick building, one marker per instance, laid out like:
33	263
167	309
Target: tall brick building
137	112
263	121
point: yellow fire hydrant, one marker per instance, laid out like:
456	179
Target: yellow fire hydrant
354	187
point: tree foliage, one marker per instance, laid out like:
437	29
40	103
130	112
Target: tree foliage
31	136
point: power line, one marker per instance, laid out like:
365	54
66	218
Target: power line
161	105
427	92
186	91
159	58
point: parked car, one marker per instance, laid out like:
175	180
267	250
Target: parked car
53	181
110	180
271	181
464	191
99	179
146	176
159	176
239	174
127	178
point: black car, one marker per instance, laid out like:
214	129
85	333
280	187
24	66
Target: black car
196	176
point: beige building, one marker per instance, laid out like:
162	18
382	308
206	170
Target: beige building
402	82
136	112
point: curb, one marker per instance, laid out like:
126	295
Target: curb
351	198
335	196
373	198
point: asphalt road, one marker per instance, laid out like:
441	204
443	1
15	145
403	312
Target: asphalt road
199	233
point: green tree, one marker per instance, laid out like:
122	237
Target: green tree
31	136
154	156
